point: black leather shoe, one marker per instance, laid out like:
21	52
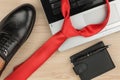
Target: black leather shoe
14	30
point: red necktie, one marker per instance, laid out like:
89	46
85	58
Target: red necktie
23	71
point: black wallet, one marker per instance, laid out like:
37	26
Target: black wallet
92	61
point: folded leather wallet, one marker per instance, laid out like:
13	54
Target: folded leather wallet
92	61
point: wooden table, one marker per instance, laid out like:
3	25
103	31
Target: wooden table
58	67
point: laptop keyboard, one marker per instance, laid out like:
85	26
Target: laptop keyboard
53	12
56	4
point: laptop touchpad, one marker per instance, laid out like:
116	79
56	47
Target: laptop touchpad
98	15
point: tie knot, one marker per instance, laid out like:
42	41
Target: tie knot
68	30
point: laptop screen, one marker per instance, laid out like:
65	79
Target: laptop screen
53	12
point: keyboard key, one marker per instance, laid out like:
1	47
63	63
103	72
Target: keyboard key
56	11
52	1
56	5
84	2
74	5
72	1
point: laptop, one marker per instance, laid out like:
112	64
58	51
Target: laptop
83	12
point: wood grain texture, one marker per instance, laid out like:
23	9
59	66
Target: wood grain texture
58	67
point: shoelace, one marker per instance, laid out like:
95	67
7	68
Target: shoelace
5	42
23	71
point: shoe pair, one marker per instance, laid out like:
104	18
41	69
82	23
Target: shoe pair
15	28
